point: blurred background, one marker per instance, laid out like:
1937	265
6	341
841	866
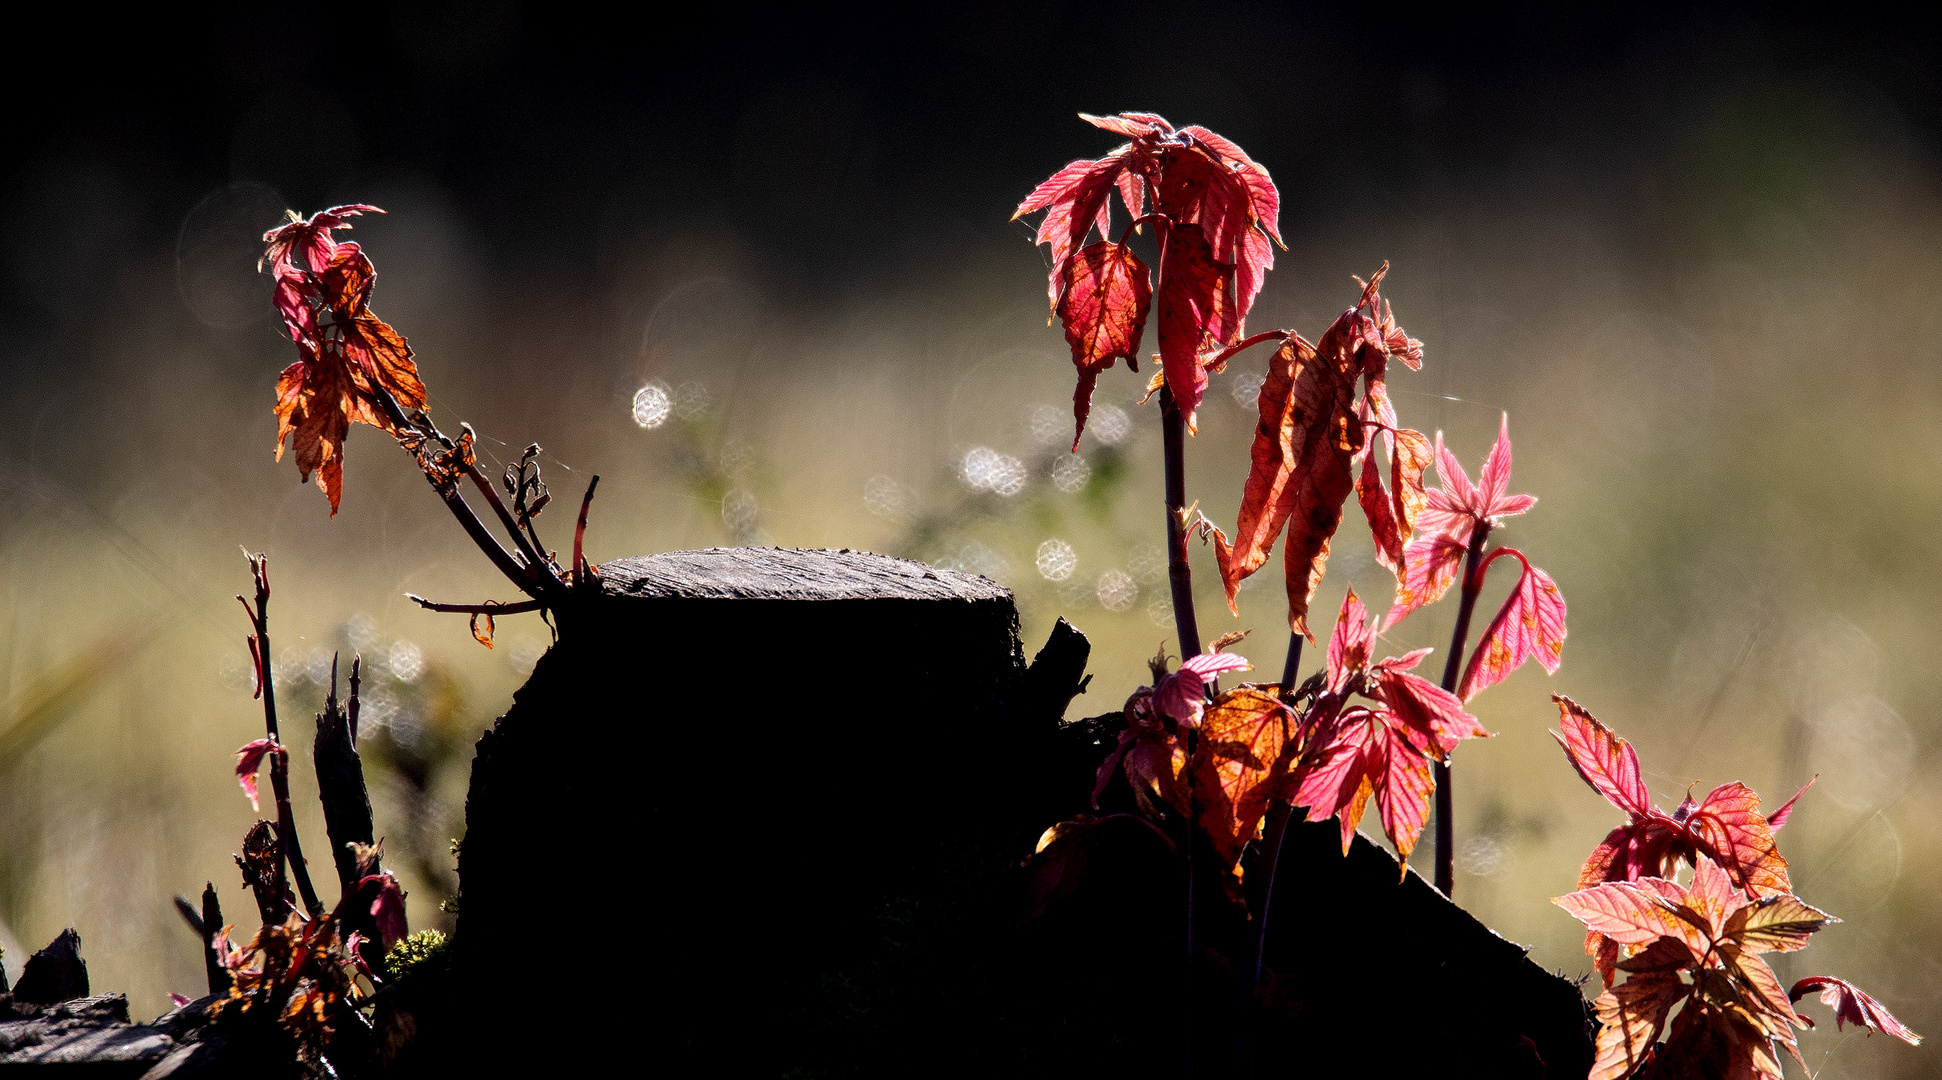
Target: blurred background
757	273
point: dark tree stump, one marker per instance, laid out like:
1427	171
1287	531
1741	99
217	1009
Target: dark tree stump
756	808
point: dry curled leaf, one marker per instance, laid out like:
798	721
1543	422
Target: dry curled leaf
485	637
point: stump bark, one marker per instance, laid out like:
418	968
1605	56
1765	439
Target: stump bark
756	809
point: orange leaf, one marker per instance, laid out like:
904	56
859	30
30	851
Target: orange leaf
486	637
1632	1016
1240	765
347	354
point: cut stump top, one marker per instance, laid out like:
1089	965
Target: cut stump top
788	574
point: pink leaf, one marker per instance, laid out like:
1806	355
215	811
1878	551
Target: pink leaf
1531	623
1852	1006
1605	761
1183	694
249	760
1348	645
1434	714
388	909
1779	817
1430	566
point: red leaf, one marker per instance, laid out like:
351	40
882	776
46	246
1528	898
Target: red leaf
1348	645
1336	778
1074	200
1197	312
1852	1006
1216	185
1605	761
307	244
1531	623
1727	826
1103	303
1458	508
249	762
1434	715
1629	913
388	908
1392	513
1403	796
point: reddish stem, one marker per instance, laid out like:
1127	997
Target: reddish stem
1173	429
535	562
1459	639
469	521
286	825
1246	343
580	574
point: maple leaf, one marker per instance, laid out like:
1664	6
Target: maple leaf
1713	932
1103	303
1530	624
249	763
1459	507
1383	753
347	355
1450	519
1182	695
1392	512
307	244
1300	468
1725	827
1207	199
1852	1006
1197	313
387	907
1239	766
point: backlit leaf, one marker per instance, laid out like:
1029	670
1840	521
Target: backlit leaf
1727	825
1240	765
1197	313
1530	624
1103	304
1430	567
1852	1006
1605	761
1632	1015
1626	912
1776	924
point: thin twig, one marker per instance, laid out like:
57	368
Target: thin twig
1459	638
490	607
286	826
580	568
467	519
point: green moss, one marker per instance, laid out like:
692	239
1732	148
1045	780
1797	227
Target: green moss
426	948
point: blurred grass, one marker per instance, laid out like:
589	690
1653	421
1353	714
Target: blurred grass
1723	382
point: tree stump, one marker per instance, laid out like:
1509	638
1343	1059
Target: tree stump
756	810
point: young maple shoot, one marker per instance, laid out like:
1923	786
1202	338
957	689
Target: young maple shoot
353	367
1694	947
